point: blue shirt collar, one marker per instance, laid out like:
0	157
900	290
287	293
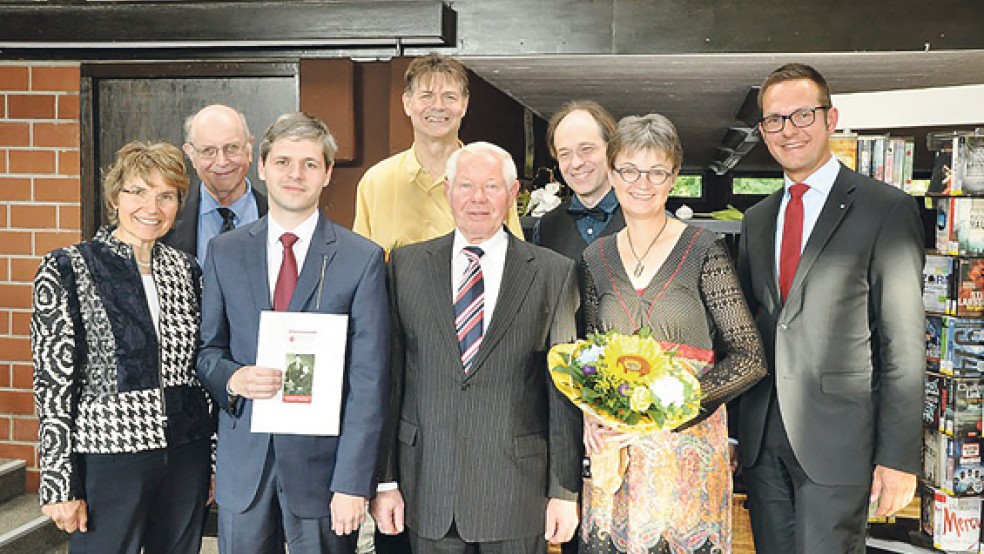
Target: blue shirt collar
208	203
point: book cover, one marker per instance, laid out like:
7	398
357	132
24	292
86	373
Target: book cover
864	154
934	342
968	225
934	385
937	282
890	162
908	185
967	406
956	523
965	347
973	165
941	179
934	450
945	239
969	288
845	147
964	472
878	158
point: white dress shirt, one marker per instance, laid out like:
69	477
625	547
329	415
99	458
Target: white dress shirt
820	183
275	249
492	261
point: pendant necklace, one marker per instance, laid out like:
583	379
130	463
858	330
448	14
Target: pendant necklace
639	266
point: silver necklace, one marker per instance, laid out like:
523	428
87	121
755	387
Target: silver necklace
639	266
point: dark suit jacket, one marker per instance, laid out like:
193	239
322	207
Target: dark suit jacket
846	351
486	449
558	231
184	234
348	273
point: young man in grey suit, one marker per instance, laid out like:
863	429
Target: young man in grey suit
831	266
484	450
310	491
220	147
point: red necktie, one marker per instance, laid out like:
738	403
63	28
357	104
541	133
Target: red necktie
792	238
287	278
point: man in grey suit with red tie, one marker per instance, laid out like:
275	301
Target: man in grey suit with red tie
482	450
831	266
310	491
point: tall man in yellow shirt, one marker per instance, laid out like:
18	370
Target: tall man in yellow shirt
401	199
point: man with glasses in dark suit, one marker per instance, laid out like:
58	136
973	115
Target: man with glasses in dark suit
831	266
220	147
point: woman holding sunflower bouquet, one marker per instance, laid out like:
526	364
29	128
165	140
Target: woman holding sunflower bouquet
671	491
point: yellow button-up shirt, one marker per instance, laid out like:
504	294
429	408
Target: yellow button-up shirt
399	203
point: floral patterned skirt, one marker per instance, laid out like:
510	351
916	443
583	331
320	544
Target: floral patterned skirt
675	497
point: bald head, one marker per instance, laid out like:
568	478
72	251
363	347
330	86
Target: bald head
220	147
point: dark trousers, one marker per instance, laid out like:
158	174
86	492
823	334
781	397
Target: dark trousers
452	543
268	523
790	513
151	500
392	544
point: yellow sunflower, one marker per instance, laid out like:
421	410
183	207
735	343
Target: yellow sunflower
632	359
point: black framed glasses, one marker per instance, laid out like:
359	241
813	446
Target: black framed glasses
630	174
803	117
230	150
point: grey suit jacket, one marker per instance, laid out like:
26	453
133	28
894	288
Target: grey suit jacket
343	273
489	448
846	351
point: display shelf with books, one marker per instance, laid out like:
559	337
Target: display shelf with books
958	163
882	157
952	478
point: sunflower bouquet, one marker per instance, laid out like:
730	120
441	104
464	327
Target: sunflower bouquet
632	383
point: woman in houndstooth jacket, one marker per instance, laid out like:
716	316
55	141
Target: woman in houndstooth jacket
124	424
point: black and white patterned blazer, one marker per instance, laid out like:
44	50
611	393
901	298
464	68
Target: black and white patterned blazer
104	380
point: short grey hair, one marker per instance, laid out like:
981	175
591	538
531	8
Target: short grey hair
509	172
189	123
300	125
636	133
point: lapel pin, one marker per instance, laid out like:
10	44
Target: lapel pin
842	206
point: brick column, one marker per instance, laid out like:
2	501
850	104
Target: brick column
39	211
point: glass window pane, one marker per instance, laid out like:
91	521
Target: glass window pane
756	185
688	186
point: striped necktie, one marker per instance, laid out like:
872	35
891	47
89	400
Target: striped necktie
469	307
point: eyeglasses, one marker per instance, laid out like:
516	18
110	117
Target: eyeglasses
231	150
803	117
630	174
164	198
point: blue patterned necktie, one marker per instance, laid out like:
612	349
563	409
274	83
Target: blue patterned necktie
469	307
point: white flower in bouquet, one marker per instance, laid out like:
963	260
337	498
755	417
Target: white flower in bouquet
668	390
544	199
641	399
591	355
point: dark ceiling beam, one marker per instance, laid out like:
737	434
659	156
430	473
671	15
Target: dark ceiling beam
714	26
235	25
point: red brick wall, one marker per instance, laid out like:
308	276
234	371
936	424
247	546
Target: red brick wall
39	211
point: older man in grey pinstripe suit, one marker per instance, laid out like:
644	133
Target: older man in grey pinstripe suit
482	448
